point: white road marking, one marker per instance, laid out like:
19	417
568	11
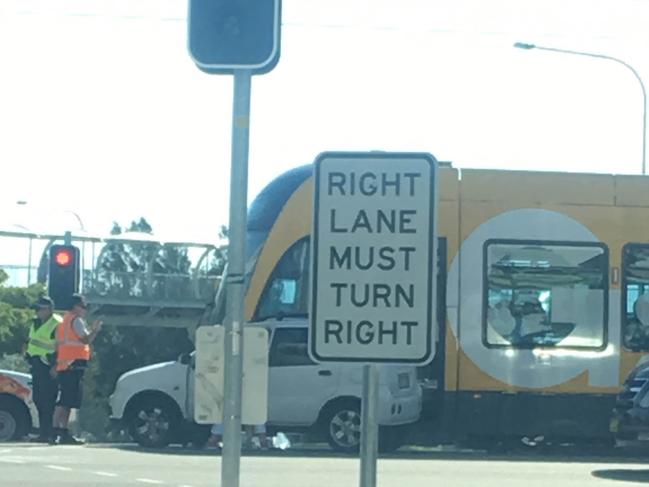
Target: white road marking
12	460
5	450
58	467
106	474
150	481
185	485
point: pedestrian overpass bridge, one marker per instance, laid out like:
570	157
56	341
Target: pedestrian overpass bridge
130	279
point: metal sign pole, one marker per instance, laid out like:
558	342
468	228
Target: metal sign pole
369	425
230	460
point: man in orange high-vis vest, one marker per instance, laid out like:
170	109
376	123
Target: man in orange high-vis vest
73	339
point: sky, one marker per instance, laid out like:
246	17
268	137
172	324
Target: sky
104	117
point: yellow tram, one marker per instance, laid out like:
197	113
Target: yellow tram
543	306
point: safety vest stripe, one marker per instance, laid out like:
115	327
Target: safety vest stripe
41	344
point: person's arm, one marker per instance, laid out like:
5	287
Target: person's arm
95	329
86	334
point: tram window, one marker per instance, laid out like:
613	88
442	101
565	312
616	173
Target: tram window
545	294
289	348
635	279
287	290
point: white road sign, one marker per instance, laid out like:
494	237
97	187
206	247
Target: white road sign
208	375
373	240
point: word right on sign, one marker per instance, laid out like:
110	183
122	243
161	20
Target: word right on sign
373	258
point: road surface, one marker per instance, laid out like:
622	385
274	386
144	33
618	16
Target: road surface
29	465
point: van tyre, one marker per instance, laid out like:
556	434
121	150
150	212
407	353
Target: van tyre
153	421
14	419
341	423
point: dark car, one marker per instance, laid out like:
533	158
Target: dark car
630	419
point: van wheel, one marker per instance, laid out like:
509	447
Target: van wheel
14	419
341	422
152	421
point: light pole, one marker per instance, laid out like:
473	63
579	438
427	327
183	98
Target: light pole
523	45
74	213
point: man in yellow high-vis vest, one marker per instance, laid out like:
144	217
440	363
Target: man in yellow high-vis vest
41	350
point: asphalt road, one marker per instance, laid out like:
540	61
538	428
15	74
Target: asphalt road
27	465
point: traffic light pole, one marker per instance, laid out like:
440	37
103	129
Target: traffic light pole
234	320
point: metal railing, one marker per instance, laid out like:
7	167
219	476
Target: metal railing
191	281
149	289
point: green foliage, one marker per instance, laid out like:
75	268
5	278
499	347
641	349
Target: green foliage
220	256
15	362
15	315
125	268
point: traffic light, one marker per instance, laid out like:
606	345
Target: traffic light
64	274
225	35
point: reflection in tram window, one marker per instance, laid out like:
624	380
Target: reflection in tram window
545	294
287	291
635	270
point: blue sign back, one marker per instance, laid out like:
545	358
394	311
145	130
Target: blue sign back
226	35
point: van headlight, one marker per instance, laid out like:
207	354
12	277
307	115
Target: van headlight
404	380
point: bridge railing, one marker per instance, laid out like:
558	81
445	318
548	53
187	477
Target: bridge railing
149	289
128	269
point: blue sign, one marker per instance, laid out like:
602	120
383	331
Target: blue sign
227	35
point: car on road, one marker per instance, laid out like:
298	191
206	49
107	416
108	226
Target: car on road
630	419
18	413
155	403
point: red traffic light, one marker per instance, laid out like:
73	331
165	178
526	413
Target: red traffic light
63	257
64	274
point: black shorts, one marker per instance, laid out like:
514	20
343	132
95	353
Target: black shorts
70	391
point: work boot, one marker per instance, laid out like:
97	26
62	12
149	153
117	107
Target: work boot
55	438
214	442
63	437
70	440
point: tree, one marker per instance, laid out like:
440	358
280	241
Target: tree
125	268
220	255
15	319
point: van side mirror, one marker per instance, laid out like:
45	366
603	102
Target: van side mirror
184	358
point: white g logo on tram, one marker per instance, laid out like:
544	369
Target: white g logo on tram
524	367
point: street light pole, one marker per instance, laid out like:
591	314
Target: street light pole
73	213
523	45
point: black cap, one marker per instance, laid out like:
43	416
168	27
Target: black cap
78	300
43	302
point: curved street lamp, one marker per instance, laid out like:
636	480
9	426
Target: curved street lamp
523	45
73	213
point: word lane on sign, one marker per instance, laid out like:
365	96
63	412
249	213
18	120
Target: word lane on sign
373	238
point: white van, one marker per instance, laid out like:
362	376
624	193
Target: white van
155	403
18	414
